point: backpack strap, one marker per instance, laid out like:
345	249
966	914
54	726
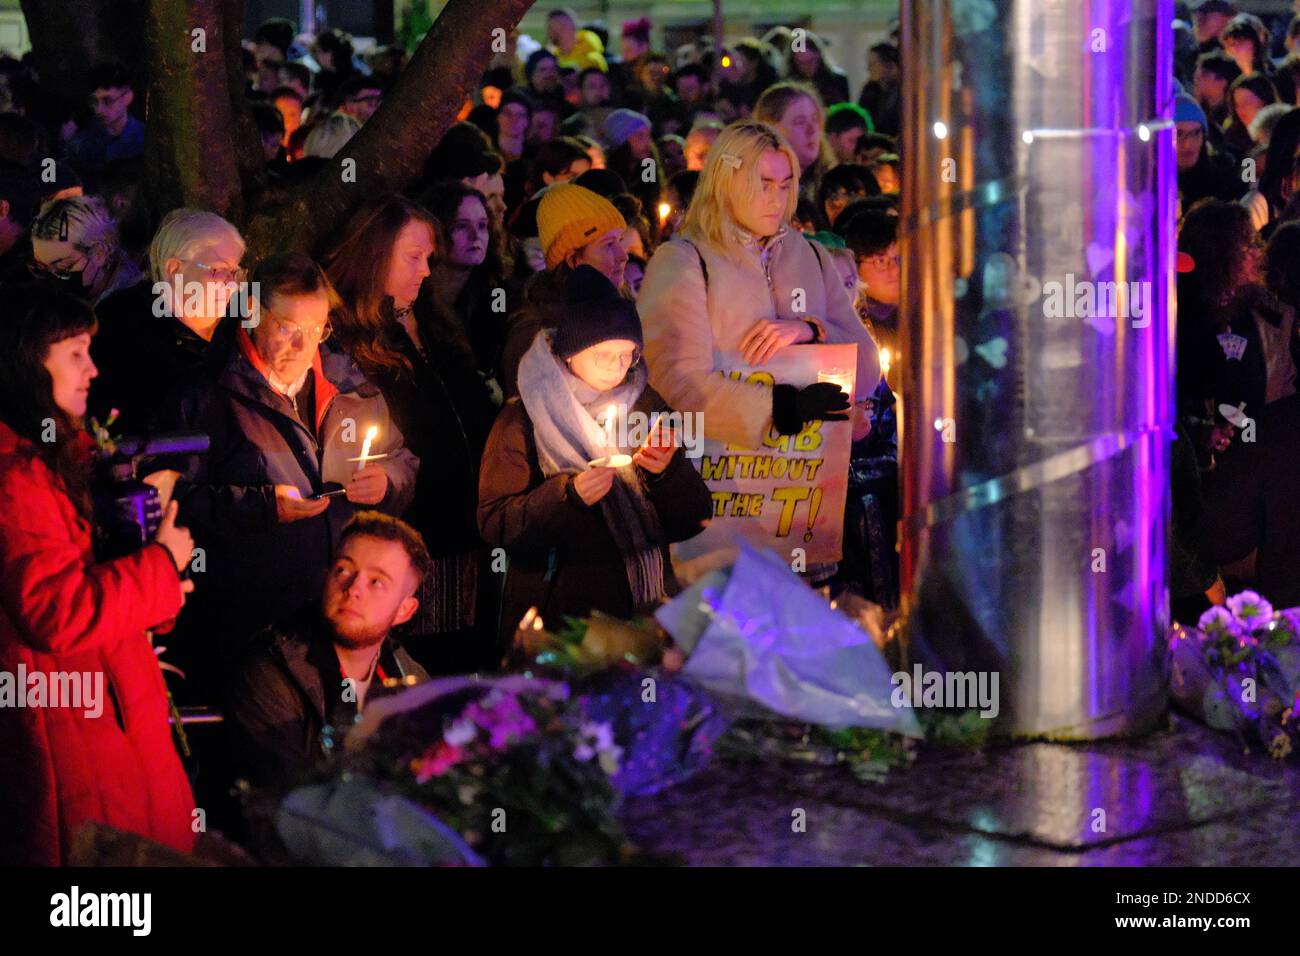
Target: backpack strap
704	268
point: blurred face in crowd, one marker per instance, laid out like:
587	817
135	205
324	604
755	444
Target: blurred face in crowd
1211	90
561	32
286	78
546	76
632	244
491	96
654	76
597	156
68	362
362	104
806	63
269	61
369	590
764	214
698	142
672	153
512	121
1209	25
111	107
604	365
289	332
493	187
887	177
802	126
1246	104
632	275
569	173
836	201
408	263
879	69
1242	50
605	254
468	238
845	143
689	89
880	274
291	109
631	47
70	260
848	276
1191	137
736	67
595	89
639	143
569	84
215	264
543	126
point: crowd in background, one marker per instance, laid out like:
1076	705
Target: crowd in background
601	222
1238	416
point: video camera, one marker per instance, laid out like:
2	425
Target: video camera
129	510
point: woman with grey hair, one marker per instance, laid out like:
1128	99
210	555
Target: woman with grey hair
196	300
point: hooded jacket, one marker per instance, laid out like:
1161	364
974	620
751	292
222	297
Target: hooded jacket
62	613
689	321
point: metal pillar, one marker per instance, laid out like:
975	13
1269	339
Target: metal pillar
1039	170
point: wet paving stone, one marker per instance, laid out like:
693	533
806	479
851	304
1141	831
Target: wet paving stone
1182	796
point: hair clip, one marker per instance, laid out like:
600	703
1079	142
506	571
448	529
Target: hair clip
731	159
63	226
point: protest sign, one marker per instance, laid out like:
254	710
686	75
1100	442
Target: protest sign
787	495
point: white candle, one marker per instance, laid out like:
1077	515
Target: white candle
371	432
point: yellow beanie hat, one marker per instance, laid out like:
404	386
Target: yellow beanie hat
569	217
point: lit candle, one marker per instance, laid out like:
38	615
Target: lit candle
371	432
664	211
839	377
884	362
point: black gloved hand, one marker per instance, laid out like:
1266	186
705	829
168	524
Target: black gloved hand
792	408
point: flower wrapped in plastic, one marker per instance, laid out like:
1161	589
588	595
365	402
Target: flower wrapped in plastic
1239	671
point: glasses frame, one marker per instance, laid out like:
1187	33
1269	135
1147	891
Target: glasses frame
319	333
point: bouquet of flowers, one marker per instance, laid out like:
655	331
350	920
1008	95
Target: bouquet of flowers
1239	670
521	775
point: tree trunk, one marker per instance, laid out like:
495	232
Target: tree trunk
389	152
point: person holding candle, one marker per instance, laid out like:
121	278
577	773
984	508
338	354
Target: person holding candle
287	416
737	280
582	531
381	266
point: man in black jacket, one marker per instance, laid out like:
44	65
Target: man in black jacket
1250	506
306	683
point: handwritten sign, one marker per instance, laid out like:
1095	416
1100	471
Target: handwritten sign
788	494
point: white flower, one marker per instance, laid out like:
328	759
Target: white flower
1250	609
460	733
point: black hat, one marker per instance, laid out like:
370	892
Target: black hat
593	312
604	182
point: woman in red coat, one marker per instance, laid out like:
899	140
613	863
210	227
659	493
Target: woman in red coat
95	746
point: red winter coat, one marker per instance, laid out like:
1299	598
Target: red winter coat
60	611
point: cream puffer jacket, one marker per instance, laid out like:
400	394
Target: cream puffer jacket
688	326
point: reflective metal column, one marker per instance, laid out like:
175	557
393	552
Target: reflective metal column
1038	225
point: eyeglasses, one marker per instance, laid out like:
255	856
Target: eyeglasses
283	332
56	270
883	261
608	361
106	101
220	273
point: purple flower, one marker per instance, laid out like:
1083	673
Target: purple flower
1250	609
1216	622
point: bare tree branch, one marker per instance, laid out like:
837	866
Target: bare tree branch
389	152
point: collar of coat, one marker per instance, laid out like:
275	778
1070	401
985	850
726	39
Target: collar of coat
760	243
334	372
307	651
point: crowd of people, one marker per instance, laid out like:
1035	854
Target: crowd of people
404	444
1238	416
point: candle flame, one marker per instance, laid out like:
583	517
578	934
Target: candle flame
664	210
884	361
371	432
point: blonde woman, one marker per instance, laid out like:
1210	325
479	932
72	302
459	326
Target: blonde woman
729	284
796	110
